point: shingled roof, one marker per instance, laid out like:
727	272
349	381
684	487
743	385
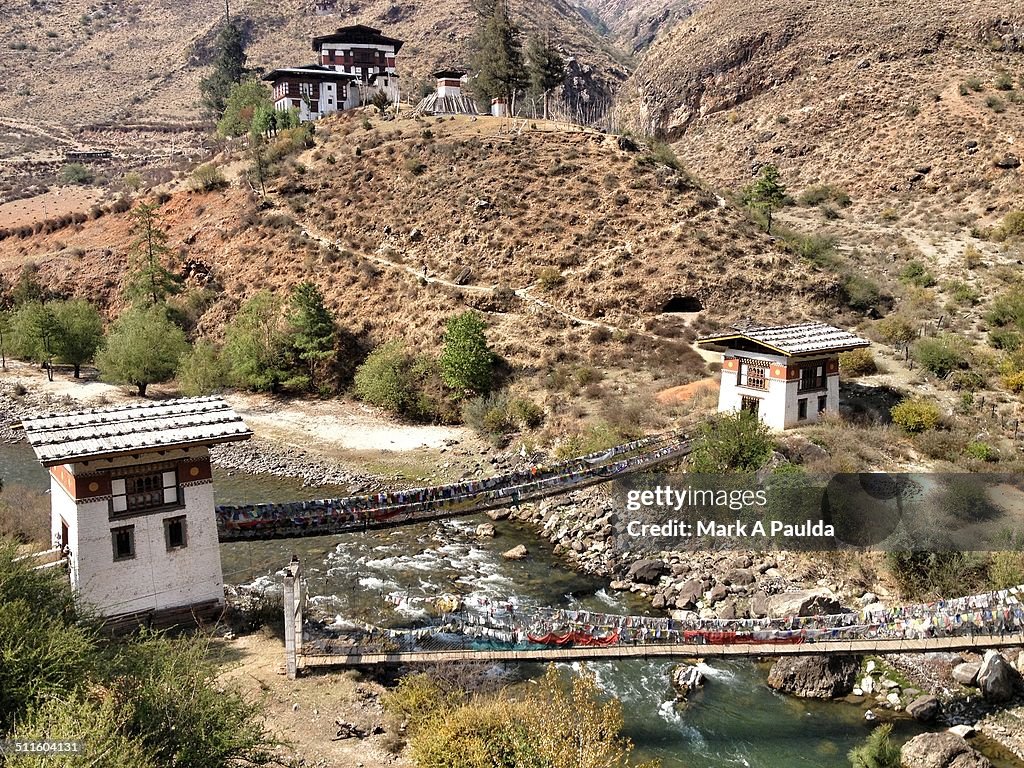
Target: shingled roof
108	432
793	340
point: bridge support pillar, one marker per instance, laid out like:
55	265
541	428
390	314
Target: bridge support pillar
294	597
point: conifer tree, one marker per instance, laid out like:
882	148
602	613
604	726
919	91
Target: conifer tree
228	68
313	331
498	56
547	69
767	194
152	282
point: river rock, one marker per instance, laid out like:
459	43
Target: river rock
686	678
516	553
805	602
966	673
940	750
759	605
868	685
717	593
924	708
647	571
816	677
996	678
499	514
963	731
485	531
893	699
689	593
740	576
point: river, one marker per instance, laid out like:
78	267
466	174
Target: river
735	721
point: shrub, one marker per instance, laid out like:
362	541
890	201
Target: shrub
878	751
975	84
550	278
488	414
731	441
1005	339
972	257
963	292
1007	309
76	173
824	193
996	104
981	451
896	330
916	274
858	362
526	413
415	166
940	355
201	370
860	293
1004	81
1014	381
916	414
1012	226
207	178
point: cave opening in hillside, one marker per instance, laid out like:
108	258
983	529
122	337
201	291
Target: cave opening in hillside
682	304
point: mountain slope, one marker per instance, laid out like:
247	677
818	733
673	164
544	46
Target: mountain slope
549	231
635	25
859	93
83	61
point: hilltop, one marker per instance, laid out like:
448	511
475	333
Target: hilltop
878	98
569	243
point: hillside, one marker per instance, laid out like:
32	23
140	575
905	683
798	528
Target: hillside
111	61
571	245
878	98
635	25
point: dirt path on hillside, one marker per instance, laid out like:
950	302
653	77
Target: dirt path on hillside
310	230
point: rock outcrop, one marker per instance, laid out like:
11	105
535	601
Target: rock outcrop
997	678
685	679
815	677
940	750
924	708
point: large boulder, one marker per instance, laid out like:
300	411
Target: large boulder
805	602
924	708
940	750
686	678
966	673
997	678
485	531
647	571
815	677
740	576
689	593
516	553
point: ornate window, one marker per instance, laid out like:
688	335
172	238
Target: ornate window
753	374
148	488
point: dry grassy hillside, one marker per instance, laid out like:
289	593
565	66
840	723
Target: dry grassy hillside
877	97
97	61
582	229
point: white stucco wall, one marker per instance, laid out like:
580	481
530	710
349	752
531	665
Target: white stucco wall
156	577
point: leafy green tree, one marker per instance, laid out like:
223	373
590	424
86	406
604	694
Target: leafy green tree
497	57
255	344
731	442
228	68
878	751
245	101
767	194
28	288
546	68
466	363
313	332
142	348
264	121
79	331
151	283
202	370
34	331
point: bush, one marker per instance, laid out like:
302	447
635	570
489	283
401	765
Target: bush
526	413
896	330
941	354
1007	309
201	370
1014	382
878	751
996	104
981	451
207	178
860	293
550	278
972	257
916	274
916	414
824	193
488	414
857	362
1012	226
76	173
731	442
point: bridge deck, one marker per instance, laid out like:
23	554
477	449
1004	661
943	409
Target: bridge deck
680	651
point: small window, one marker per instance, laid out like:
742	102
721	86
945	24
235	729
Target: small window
822	403
144	488
801	408
123	540
175	532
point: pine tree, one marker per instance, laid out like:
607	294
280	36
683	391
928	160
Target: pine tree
313	331
878	751
546	67
767	194
498	56
228	68
466	363
152	282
